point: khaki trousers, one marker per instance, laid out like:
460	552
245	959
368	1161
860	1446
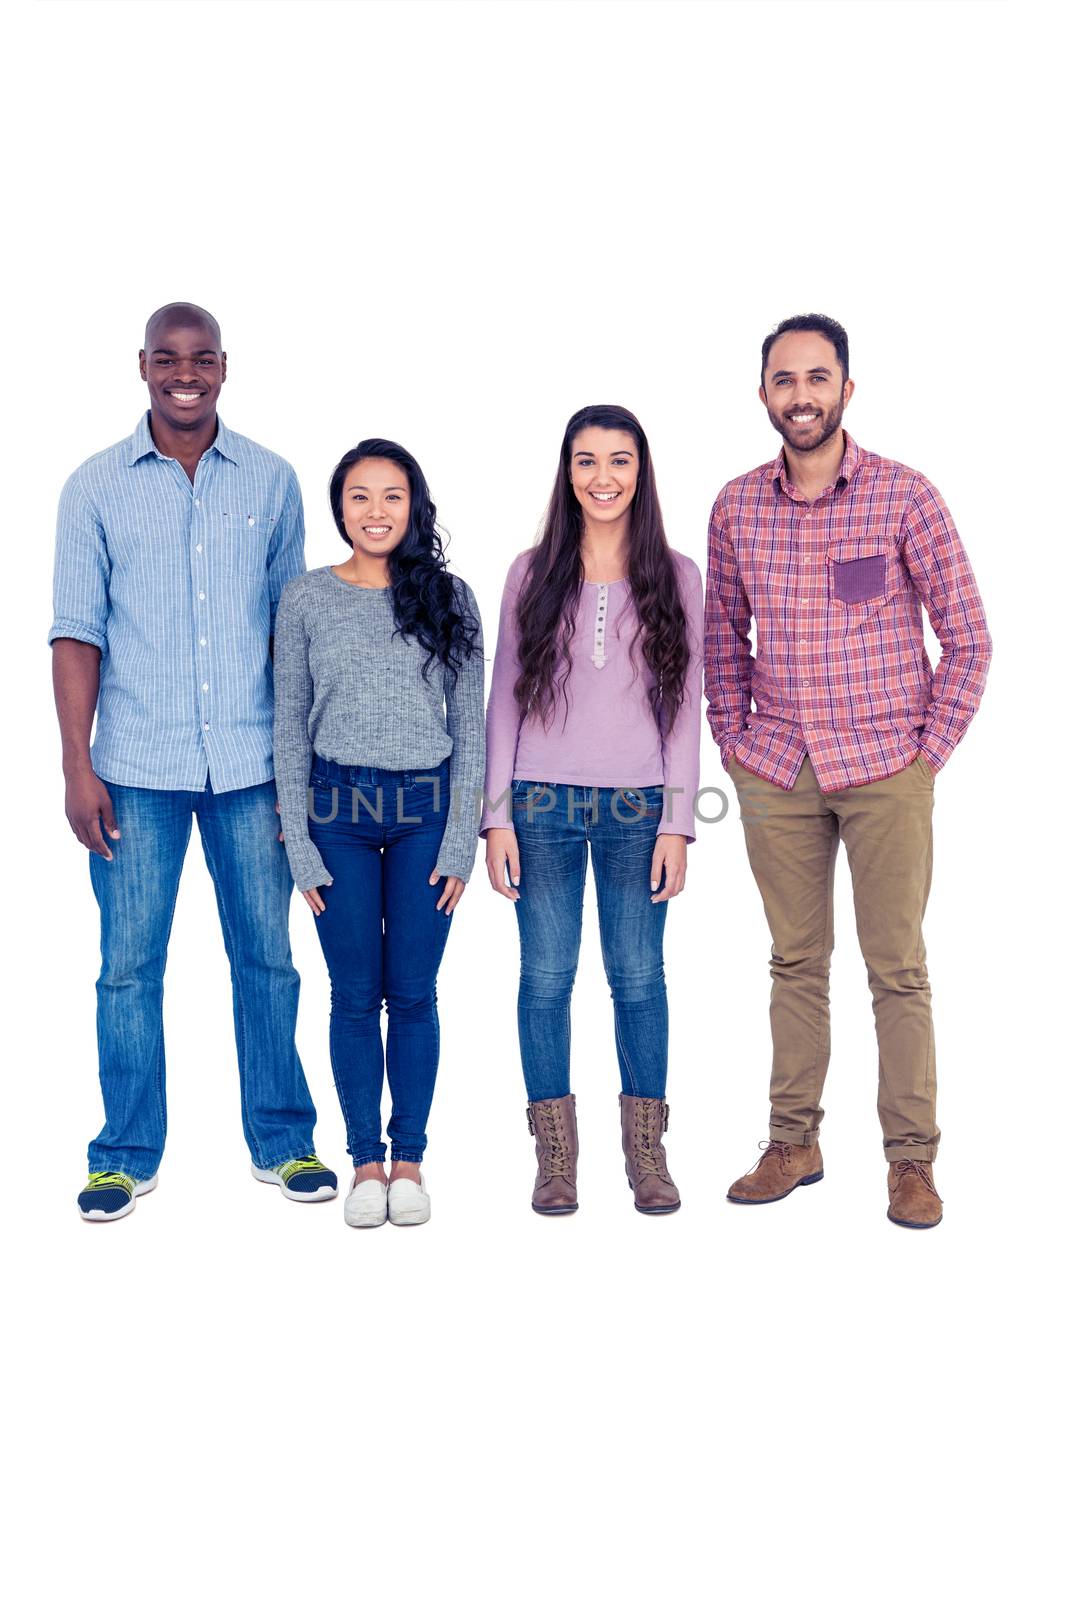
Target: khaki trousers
792	837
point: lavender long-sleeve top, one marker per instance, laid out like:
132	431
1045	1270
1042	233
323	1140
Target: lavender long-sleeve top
609	737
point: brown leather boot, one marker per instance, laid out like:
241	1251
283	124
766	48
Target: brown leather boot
913	1200
644	1122
555	1130
780	1169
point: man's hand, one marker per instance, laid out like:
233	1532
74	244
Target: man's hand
502	861
89	807
668	858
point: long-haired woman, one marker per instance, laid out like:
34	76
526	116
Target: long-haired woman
592	749
379	746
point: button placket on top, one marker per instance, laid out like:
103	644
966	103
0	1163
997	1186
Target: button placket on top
600	624
808	615
198	558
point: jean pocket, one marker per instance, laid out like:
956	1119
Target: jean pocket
526	792
639	802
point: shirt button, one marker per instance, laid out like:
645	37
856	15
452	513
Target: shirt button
204	687
805	683
199	548
807	561
202	595
803	603
203	641
207	727
196	502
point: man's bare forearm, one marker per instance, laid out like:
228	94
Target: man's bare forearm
76	682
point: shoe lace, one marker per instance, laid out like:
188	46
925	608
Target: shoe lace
109	1180
554	1158
648	1152
919	1168
289	1169
774	1147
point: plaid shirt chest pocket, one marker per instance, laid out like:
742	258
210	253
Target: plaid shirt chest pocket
863	574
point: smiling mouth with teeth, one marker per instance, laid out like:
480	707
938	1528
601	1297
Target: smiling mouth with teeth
377	533
185	395
605	499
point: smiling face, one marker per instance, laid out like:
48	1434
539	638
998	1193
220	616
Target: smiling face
803	390
375	506
184	370
604	468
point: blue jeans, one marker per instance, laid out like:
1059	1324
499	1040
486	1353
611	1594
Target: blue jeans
557	826
379	834
136	894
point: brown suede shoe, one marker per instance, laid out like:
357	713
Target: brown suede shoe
644	1122
780	1169
913	1200
555	1130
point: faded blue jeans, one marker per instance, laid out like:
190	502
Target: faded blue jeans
136	893
379	834
558	827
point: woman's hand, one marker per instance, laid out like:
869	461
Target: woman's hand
314	900
453	892
668	858
502	861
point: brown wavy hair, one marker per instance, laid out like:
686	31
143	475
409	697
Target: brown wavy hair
548	602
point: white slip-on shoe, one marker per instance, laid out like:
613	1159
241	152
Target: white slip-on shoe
365	1204
409	1204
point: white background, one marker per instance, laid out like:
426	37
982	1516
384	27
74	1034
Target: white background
454	224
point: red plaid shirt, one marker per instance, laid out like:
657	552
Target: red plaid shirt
836	588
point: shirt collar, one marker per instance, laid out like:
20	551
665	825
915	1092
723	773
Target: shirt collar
142	444
849	462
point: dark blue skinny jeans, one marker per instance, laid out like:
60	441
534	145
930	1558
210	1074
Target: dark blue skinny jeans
379	834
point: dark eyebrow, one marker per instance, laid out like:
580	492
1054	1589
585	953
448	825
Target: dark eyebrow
784	372
392	488
161	350
611	452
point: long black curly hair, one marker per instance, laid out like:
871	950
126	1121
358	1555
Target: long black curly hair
427	605
548	602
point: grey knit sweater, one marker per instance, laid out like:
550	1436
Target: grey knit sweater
345	688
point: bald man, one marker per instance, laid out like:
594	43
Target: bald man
172	550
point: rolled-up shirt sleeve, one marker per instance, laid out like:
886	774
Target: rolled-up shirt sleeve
285	557
80	604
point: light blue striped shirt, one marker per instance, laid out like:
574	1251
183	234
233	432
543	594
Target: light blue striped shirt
177	584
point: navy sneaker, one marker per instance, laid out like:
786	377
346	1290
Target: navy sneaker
303	1179
110	1195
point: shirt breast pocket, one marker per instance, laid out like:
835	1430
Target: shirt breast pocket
864	573
247	533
